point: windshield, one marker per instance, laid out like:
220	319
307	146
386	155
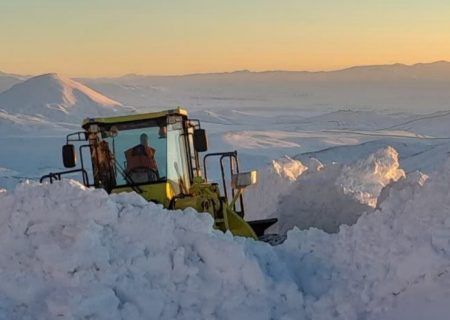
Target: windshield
140	153
150	152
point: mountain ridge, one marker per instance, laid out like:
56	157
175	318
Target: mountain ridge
438	63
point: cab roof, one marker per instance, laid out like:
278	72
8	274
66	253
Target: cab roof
135	117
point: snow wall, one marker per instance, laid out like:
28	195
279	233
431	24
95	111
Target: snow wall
325	197
68	252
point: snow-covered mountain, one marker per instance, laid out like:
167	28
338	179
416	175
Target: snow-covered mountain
438	70
420	88
56	98
434	71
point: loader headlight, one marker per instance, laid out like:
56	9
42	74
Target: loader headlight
244	179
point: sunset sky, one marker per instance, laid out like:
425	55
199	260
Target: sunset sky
114	37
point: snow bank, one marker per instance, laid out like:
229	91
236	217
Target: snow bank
324	197
412	180
8	178
373	269
67	252
316	201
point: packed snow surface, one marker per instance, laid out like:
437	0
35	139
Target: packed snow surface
74	253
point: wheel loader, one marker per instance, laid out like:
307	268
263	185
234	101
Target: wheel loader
157	155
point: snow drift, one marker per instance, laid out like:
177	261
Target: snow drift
71	253
367	270
68	252
321	196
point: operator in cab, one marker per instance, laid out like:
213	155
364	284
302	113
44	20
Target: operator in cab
141	164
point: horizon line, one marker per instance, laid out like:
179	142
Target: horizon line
226	72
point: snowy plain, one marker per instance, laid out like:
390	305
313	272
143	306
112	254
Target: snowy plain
354	164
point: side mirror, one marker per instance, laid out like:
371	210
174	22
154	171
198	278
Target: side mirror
244	179
69	156
200	140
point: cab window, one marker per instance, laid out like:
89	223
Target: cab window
140	155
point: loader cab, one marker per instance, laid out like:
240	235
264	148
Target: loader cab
154	154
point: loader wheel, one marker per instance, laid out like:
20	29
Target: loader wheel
273	239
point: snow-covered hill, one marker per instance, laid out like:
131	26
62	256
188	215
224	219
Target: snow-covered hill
17	124
56	98
435	124
354	119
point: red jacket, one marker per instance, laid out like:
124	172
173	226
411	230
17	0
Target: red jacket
140	156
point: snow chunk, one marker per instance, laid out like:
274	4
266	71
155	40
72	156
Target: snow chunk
365	179
314	164
288	168
273	182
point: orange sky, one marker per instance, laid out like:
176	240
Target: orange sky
113	37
